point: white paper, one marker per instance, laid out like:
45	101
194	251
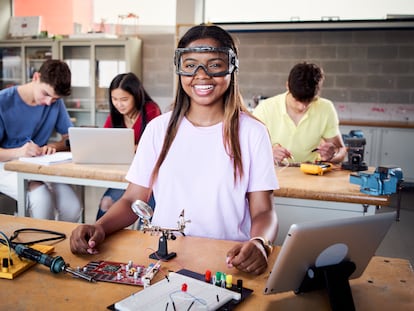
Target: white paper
58	157
80	69
108	69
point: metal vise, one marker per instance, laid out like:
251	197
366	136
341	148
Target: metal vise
385	180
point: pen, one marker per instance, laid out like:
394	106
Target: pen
29	140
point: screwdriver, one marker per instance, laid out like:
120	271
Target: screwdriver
56	264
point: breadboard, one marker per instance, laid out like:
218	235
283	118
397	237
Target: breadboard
19	264
168	295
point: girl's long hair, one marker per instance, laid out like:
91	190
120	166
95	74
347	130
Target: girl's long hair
233	102
130	83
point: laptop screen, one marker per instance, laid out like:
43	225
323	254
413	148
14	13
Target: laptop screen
91	145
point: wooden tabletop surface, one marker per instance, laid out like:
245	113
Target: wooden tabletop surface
88	171
331	186
387	283
379	123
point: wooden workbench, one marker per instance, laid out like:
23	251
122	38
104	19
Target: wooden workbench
387	283
332	186
86	171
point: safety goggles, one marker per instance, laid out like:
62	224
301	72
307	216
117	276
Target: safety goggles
224	61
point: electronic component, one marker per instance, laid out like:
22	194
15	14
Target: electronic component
185	284
355	144
207	276
121	273
315	168
5	265
229	280
168	295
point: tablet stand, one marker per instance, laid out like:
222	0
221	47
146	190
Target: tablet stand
162	252
335	279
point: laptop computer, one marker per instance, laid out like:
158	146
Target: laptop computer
326	243
90	145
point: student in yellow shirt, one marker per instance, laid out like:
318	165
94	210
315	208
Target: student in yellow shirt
303	126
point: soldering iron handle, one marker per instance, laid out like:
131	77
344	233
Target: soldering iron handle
56	264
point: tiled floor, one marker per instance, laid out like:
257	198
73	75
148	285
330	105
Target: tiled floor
399	242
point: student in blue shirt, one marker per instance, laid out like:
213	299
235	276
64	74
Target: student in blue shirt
29	115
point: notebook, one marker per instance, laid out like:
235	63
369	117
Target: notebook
90	145
324	243
48	159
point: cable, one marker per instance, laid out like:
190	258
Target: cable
58	235
282	167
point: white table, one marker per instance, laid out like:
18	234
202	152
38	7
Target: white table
108	176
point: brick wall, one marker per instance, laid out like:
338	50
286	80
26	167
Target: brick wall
158	67
361	66
365	66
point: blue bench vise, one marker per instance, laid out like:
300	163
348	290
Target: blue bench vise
385	180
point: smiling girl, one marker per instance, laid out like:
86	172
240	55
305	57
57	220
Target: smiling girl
208	156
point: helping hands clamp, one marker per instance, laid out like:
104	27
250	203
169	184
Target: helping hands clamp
144	211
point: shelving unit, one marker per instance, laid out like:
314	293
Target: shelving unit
94	62
19	59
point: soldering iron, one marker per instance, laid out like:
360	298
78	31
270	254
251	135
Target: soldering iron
56	264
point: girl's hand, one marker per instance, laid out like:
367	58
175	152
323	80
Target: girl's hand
249	257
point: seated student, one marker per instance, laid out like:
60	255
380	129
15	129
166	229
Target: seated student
130	106
29	114
303	126
208	156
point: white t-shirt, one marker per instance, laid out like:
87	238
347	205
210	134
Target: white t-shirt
197	176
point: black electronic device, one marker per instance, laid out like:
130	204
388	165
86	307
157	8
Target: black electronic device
326	254
355	143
